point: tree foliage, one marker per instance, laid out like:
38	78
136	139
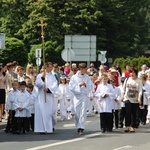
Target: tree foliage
121	26
15	50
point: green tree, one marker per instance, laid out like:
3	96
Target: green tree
15	50
51	53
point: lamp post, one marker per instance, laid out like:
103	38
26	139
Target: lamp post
43	50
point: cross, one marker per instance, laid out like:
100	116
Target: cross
42	33
42	25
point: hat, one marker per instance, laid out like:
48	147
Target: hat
112	70
144	66
63	77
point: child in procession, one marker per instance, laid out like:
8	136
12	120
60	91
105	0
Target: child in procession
32	106
105	95
70	107
65	98
116	103
21	106
90	99
12	95
144	100
122	111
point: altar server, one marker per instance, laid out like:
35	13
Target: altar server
80	84
44	106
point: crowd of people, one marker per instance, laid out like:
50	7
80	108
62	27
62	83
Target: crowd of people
32	100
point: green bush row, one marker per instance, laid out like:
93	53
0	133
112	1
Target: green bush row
133	62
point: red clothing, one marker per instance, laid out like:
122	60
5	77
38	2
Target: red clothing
116	77
126	73
66	71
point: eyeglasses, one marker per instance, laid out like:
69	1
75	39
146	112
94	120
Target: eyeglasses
30	67
91	66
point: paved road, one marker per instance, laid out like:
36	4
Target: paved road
66	138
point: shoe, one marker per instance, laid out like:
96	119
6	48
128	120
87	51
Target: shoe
127	129
103	131
96	112
17	132
81	131
132	130
109	130
78	130
42	133
6	131
144	123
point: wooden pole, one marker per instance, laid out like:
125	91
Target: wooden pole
43	46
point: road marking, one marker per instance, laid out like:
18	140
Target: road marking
73	125
65	142
68	125
123	147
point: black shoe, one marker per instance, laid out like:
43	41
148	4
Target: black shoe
13	132
103	130
6	131
23	132
81	131
96	112
78	130
17	132
42	133
109	130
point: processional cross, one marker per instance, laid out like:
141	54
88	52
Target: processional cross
43	50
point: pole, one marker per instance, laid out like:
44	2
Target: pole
43	50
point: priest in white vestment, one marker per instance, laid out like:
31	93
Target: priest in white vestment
45	105
80	84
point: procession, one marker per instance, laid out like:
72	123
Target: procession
31	101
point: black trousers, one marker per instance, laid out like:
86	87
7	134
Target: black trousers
143	114
131	114
32	122
115	118
21	123
122	116
11	120
106	121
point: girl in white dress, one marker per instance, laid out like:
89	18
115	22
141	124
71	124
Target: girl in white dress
64	98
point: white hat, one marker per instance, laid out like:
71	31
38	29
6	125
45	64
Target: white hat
62	77
144	66
112	70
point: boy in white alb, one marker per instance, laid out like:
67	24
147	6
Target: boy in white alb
105	95
12	95
122	111
116	103
80	84
21	106
144	100
33	98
